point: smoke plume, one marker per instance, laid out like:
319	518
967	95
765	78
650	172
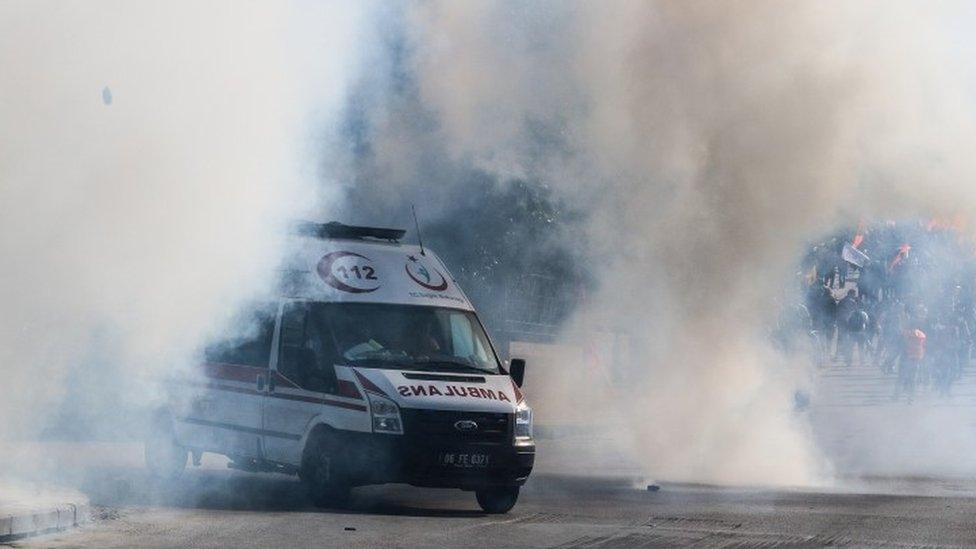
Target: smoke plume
665	161
704	144
149	155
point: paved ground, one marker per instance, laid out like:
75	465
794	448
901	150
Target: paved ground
866	431
214	507
866	386
221	509
29	510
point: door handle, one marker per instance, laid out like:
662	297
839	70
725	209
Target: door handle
260	382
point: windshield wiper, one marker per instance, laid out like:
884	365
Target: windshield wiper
378	362
424	364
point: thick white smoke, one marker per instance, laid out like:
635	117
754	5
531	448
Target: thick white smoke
707	142
150	153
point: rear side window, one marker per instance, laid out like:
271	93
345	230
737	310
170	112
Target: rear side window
249	343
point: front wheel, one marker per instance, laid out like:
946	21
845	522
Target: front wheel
497	501
165	458
324	475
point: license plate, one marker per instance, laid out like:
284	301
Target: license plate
464	461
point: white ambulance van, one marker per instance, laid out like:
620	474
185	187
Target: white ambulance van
371	368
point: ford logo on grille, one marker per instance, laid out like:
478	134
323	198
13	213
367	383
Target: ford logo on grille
466	425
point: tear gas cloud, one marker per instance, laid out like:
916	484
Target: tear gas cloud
149	154
672	157
701	145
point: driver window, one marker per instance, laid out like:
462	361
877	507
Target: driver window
307	353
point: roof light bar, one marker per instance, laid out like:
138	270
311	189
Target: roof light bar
334	229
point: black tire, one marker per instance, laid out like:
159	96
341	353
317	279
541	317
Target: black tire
165	458
497	501
323	472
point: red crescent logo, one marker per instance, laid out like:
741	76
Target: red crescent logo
324	269
437	288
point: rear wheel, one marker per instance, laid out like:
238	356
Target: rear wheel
165	458
497	501
323	472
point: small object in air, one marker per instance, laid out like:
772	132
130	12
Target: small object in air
106	96
349	529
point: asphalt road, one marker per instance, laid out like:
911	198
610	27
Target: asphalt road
215	507
211	508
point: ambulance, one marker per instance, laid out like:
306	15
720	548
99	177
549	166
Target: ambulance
372	367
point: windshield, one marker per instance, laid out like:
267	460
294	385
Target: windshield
379	335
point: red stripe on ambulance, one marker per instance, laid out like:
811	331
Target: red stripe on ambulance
368	384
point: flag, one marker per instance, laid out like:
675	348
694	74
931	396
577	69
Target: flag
862	228
900	256
854	256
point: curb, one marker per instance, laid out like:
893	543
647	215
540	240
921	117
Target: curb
42	521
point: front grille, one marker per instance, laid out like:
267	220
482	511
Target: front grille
438	426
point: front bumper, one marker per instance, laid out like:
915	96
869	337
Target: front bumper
380	459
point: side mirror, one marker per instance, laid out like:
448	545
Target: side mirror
516	369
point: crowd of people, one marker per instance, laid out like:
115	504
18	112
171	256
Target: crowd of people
900	297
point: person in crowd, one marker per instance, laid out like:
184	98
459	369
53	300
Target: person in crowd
856	330
911	359
940	355
872	280
825	266
910	309
840	266
846	308
872	334
962	326
893	323
826	308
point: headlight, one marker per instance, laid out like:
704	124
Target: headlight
523	422
386	415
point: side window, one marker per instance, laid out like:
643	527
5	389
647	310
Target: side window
461	336
250	345
466	343
307	355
